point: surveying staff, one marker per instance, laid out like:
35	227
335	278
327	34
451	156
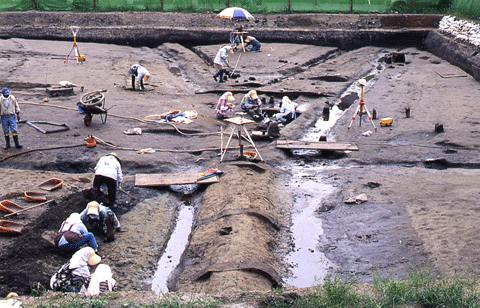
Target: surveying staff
102	219
139	72
8	109
221	60
108	171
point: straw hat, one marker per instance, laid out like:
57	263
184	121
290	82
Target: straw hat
114	155
230	97
92	208
254	94
94	258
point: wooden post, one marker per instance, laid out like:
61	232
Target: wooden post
227	3
161	5
351	6
94	4
412	4
289	5
33	5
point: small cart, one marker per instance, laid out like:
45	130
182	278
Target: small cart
93	103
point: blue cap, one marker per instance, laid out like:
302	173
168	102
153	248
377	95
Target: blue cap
6	91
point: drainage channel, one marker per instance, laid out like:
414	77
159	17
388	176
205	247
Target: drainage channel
309	264
178	240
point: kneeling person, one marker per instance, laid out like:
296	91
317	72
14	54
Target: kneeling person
102	219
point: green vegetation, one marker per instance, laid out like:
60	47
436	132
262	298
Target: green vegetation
420	289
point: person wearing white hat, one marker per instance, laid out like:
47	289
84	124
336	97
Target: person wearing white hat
73	234
251	104
288	111
224	105
10	114
75	275
108	171
102	281
101	219
220	61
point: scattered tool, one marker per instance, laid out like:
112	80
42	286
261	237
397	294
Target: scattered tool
9	207
51	184
126	193
361	108
10	227
64	127
29	208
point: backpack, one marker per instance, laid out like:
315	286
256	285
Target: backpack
64	280
70	236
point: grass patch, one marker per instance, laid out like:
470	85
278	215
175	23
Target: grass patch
420	289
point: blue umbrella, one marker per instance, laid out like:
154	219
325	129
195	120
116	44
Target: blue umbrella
235	13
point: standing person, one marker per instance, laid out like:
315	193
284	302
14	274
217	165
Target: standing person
8	109
75	276
251	104
73	234
139	72
108	171
288	111
235	35
220	61
250	40
224	106
101	219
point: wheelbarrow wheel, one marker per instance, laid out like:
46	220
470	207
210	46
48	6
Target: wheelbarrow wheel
87	120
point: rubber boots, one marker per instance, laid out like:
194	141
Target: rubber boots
7	141
17	144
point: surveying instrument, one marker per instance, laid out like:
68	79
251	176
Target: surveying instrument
80	58
361	108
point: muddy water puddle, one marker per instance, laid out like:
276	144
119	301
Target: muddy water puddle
309	263
175	247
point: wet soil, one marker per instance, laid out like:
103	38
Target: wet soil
420	184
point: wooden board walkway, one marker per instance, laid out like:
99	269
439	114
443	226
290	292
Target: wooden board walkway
165	179
315	145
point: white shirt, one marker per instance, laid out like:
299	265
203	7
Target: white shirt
110	167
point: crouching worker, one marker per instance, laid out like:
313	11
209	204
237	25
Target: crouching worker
224	105
101	219
140	73
73	234
8	110
74	276
288	111
101	282
251	104
253	44
108	171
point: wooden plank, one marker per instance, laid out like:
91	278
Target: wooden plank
315	145
451	74
164	179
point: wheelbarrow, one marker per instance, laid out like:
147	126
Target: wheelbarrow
93	103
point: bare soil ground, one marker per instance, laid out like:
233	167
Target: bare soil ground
421	185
